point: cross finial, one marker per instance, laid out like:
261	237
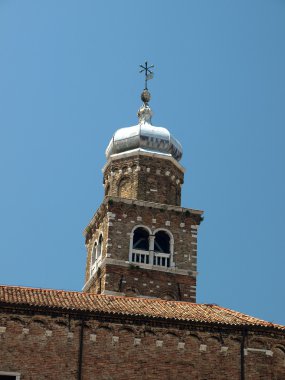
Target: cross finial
147	72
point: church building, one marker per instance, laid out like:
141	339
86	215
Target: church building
137	316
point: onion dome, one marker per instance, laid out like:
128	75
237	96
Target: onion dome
144	136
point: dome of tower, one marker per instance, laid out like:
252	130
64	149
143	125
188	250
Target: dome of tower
144	136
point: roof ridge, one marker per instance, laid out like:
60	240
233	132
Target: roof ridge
79	301
93	294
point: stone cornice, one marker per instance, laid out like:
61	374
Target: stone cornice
126	264
142	152
145	204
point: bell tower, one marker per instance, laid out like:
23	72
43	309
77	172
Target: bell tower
141	242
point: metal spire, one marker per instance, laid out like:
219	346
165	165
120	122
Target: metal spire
145	112
147	72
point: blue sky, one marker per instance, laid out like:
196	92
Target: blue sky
69	78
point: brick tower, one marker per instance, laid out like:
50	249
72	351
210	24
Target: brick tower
141	242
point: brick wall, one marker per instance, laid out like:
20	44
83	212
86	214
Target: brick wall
144	177
116	220
42	346
135	281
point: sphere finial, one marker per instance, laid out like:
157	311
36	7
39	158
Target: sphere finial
145	96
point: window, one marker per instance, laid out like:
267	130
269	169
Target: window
99	248
140	240
140	246
161	249
162	242
96	254
153	249
9	376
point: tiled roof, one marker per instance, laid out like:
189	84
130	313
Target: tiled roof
127	306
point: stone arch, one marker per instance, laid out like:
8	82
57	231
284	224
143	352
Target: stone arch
164	247
257	343
15	325
192	346
280	347
114	172
131	212
213	344
151	183
134	166
93	253
18	320
194	336
141	226
127	329
139	244
124	187
37	326
104	335
96	251
168	296
141	238
120	211
192	342
100	245
279	358
78	323
171	334
171	238
170	341
149	337
61	322
131	292
149	332
39	321
104	329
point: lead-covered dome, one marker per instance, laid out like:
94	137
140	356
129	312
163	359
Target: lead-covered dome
144	136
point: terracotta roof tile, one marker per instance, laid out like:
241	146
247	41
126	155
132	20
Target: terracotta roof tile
144	307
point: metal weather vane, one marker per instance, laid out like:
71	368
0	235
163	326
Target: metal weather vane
147	72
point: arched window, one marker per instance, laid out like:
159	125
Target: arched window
162	249
99	247
152	249
96	254
124	187
140	246
140	239
162	242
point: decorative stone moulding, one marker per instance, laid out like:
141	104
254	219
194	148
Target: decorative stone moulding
48	333
137	341
203	347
